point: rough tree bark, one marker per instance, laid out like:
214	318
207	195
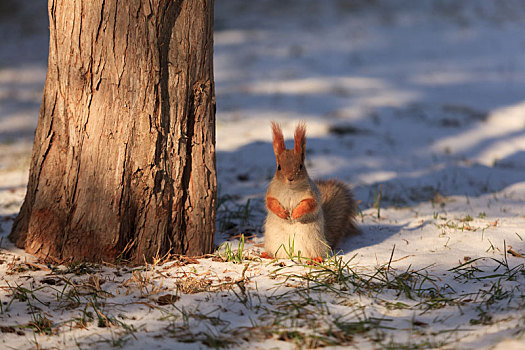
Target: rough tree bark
123	162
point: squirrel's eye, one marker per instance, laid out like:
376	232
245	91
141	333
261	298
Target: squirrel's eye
279	167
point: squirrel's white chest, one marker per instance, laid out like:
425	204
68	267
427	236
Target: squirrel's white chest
290	197
290	200
286	238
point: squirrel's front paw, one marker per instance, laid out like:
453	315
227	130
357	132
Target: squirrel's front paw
275	207
306	206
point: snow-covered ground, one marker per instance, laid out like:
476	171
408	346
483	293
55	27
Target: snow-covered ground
422	102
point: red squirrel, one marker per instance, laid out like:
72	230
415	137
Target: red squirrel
304	218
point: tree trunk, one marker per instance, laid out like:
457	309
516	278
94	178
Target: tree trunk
123	162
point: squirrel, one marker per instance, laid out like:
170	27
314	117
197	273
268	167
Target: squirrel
304	217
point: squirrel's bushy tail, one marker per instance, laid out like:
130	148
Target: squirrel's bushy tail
339	209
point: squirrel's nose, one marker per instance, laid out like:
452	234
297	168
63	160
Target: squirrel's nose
290	178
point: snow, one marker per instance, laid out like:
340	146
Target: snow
421	101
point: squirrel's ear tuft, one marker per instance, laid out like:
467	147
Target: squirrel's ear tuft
300	139
278	139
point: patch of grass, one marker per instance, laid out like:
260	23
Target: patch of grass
467	218
24	295
144	280
184	325
79	268
122	337
304	340
413	344
40	324
236	256
85	319
193	285
462	224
